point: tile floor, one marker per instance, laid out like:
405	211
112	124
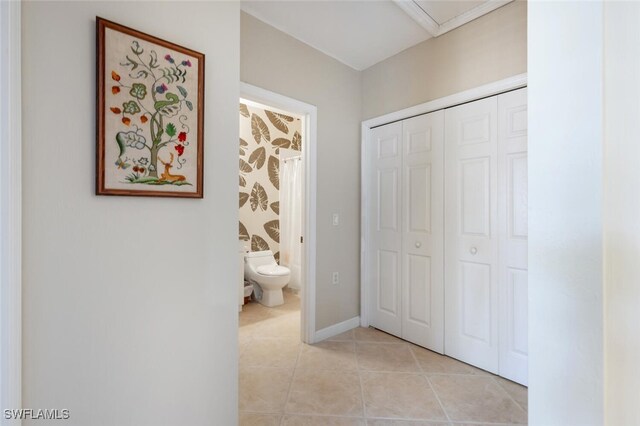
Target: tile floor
361	377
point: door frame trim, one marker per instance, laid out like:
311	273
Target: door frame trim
10	209
491	89
309	149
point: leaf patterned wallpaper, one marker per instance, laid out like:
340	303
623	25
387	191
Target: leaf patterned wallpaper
262	134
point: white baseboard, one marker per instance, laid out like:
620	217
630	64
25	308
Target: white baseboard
336	329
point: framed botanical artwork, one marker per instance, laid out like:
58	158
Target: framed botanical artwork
150	109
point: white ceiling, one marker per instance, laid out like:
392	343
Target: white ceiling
363	33
443	11
356	33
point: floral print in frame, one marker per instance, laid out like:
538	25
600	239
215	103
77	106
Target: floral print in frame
149	115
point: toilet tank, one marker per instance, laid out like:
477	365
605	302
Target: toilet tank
259	258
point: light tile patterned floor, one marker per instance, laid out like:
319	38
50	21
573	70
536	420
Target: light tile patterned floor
363	377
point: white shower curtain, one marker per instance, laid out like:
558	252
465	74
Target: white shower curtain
291	218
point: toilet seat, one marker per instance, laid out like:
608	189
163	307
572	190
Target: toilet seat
273	270
260	267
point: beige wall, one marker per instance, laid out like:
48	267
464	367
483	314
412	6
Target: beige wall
621	213
275	61
129	315
490	48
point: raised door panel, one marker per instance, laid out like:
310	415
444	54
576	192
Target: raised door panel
419	290
384	251
475	197
387	207
471	247
475	300
388	284
517	306
419	198
423	231
513	207
517	196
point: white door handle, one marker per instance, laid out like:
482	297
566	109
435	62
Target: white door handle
473	251
418	244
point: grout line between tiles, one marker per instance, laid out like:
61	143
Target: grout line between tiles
415	359
433	389
331	416
359	372
251	338
495	380
293	375
430	373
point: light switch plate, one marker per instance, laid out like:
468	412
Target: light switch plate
336	219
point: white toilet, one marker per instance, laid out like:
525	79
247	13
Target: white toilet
260	267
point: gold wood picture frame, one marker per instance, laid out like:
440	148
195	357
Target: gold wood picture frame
150	115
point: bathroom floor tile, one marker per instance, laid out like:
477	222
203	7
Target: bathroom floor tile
250	316
253	419
291	304
468	398
290	420
254	312
263	389
400	395
241	346
254	328
385	357
325	392
328	355
283	327
372	335
279	353
434	363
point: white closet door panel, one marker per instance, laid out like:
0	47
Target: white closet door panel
423	234
513	196
471	237
384	252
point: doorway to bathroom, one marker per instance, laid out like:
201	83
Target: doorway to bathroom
277	197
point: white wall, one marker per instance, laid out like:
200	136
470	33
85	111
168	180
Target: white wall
10	209
565	53
488	49
277	62
130	304
622	212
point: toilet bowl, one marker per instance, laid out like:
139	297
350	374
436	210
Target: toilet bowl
260	267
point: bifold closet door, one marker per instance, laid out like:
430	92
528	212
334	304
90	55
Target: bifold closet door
404	254
423	231
512	217
384	251
471	233
447	225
